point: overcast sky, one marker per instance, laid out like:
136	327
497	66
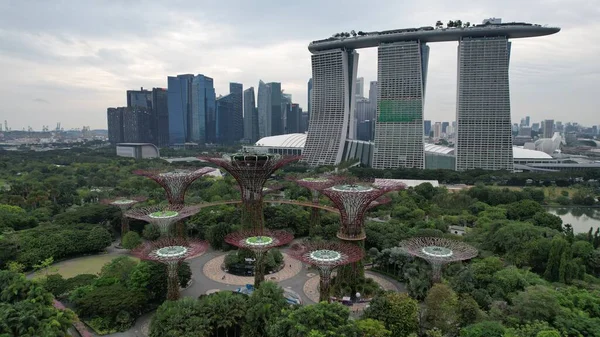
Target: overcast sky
68	61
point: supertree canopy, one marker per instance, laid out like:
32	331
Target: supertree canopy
259	242
251	171
326	256
163	216
353	200
175	182
172	252
124	204
438	251
316	185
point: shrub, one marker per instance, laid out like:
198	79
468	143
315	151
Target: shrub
150	232
131	240
99	238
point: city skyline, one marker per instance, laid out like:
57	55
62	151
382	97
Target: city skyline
59	69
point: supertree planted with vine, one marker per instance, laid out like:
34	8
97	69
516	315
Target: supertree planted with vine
163	217
259	242
124	204
353	200
326	256
316	185
251	171
267	189
172	252
438	252
175	182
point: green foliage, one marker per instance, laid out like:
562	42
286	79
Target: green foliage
441	309
42	242
115	303
329	319
15	267
536	303
131	240
545	219
484	329
151	278
88	213
265	306
185	317
216	235
523	210
26	309
119	268
16	218
372	328
398	312
151	232
99	237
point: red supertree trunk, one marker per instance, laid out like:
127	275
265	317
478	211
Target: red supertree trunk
251	171
175	182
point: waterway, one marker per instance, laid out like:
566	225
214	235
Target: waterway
581	218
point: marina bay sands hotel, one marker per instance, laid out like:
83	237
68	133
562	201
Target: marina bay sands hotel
483	132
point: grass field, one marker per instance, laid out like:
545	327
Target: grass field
82	265
551	192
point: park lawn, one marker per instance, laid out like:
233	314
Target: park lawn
82	265
550	192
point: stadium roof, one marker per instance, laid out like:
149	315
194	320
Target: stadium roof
432	148
290	140
520	153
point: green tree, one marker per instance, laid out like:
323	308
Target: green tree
265	305
225	311
372	328
468	310
16	218
441	309
26	309
150	278
99	238
545	219
131	240
329	319
216	235
484	329
119	268
397	311
536	303
45	266
150	232
184	317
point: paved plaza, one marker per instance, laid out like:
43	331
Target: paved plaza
213	270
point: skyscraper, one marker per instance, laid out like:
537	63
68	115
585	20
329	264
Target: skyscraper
445	127
276	109
250	116
114	117
160	117
293	118
332	106
225	126
270	121
360	87
237	89
180	104
202	121
402	72
437	130
548	128
310	85
483	135
140	98
427	128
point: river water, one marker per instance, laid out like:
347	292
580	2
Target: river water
581	218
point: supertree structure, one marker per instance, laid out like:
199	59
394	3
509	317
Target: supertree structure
438	252
124	204
326	256
315	185
163	216
170	251
251	171
259	242
175	182
353	200
267	189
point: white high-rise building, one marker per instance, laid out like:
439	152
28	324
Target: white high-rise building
402	70
483	134
360	87
437	130
332	118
